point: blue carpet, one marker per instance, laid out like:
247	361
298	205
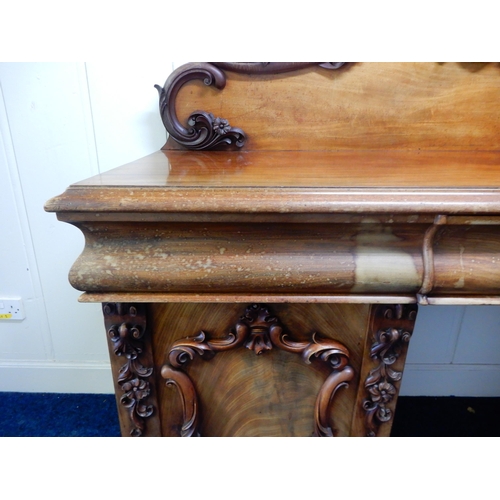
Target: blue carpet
58	415
95	415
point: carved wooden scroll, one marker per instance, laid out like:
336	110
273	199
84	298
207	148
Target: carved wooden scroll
274	68
126	327
259	331
392	327
204	130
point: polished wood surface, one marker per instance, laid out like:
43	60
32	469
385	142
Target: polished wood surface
433	106
260	183
276	169
203	186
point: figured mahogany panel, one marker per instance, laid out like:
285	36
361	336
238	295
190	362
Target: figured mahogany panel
271	394
259	330
358	106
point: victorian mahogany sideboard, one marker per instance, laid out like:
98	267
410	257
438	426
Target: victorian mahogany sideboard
260	274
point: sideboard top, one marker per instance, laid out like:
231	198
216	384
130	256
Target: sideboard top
307	169
368	180
413	138
410	182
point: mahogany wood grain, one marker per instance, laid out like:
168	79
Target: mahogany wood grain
224	204
437	106
302	259
273	394
249	298
193	186
307	169
472	262
233	258
437	300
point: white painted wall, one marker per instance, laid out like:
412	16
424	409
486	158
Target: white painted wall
455	351
60	123
63	122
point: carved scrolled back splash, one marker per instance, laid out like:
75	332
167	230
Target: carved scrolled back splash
204	130
259	331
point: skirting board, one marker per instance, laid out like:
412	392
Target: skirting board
418	380
91	378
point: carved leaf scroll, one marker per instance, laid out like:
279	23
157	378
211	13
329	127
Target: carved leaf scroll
189	399
259	331
204	130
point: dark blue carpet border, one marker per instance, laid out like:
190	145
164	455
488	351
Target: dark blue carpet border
95	415
58	415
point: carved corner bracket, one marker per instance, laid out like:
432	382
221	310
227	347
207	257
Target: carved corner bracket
391	327
126	327
204	130
259	331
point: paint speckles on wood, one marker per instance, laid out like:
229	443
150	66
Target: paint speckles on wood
291	258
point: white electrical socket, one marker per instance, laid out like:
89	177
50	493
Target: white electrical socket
11	309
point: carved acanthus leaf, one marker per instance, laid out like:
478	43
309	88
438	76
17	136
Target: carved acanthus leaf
184	351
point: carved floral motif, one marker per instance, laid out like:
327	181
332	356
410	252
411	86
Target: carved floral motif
220	126
126	338
259	331
393	326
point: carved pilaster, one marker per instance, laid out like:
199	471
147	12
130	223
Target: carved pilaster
391	329
258	330
127	336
